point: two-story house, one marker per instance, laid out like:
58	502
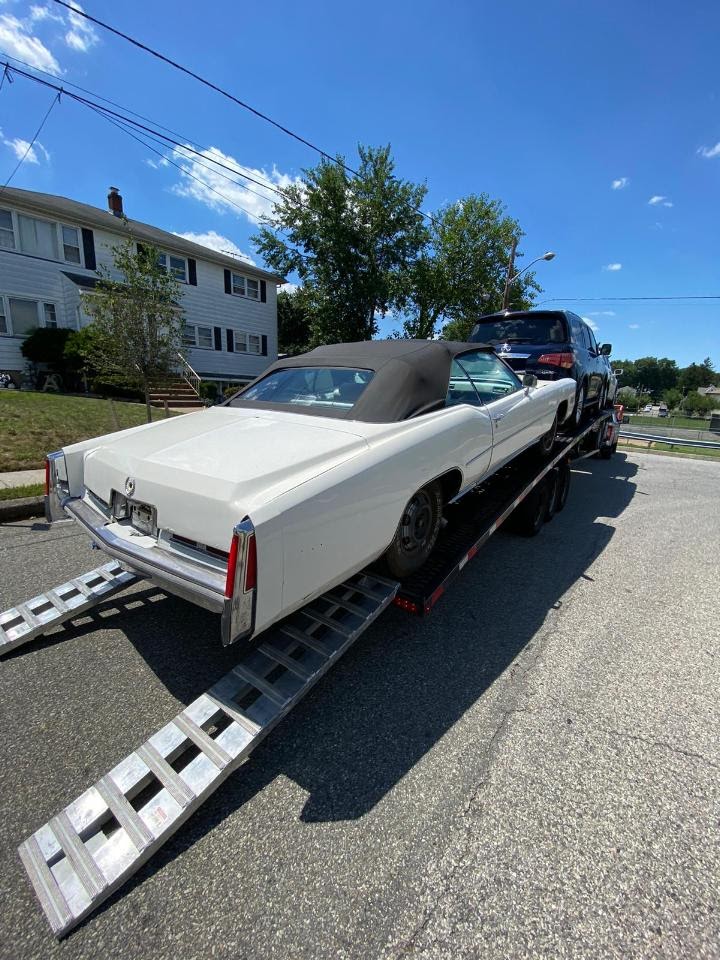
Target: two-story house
51	247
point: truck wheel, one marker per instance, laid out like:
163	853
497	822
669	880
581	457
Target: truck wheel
529	517
606	452
563	485
417	532
552	480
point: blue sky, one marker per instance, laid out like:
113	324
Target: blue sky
597	124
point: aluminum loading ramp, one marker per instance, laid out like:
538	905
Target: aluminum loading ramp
96	843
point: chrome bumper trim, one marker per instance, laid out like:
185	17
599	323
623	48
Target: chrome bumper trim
201	586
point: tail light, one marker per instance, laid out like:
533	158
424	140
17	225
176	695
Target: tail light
564	360
47	477
238	616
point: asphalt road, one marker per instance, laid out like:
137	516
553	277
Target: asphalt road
533	771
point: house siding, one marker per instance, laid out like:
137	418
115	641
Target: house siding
204	304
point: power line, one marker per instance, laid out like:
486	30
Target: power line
66	83
207	83
55	100
712	296
224	93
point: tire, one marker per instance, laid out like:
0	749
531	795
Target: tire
416	533
547	440
579	406
606	452
552	480
563	485
528	518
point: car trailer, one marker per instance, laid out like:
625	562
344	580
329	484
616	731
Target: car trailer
89	849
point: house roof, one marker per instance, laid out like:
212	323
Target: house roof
84	213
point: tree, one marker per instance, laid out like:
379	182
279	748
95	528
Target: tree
294	322
461	276
696	404
137	329
672	398
351	240
628	398
698	375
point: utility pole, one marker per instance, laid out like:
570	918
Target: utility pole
509	276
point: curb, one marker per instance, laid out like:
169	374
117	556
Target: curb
22	509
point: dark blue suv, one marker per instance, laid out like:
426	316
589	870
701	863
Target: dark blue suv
550	344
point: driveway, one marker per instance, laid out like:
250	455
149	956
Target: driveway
532	771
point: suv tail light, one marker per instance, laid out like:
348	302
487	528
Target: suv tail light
564	360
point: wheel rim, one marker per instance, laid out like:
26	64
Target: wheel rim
416	524
580	405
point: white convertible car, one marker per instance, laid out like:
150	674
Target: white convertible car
324	464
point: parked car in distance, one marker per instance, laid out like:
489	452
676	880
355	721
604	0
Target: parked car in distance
662	410
647	408
551	344
324	464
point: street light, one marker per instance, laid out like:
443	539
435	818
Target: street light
550	255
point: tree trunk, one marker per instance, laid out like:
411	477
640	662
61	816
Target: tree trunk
146	391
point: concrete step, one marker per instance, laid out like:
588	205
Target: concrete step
185	404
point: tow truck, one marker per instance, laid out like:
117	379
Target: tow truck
92	846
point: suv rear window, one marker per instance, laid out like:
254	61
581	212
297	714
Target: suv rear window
522	328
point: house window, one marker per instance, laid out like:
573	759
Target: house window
177	266
201	337
23	316
3	318
7	234
49	316
245	286
38	237
247	342
71	244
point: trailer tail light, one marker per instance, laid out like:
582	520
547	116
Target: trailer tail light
564	360
238	615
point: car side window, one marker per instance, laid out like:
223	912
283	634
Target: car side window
579	331
460	388
491	378
593	342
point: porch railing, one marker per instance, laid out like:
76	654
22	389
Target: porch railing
189	375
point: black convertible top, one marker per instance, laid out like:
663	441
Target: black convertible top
411	376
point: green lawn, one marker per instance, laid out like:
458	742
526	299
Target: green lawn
32	424
28	490
706	453
686	422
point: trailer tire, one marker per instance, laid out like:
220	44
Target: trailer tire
563	485
606	452
528	518
417	532
552	480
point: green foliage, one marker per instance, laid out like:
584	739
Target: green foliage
137	321
461	276
672	398
46	345
696	404
698	375
208	390
352	241
79	348
628	398
294	322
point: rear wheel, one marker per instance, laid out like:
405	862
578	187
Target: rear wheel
552	480
563	485
547	441
529	517
580	405
417	532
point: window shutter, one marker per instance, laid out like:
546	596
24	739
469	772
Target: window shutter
192	271
264	345
263	291
88	248
218	337
228	284
230	341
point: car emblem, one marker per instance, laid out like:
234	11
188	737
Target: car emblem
129	487
505	348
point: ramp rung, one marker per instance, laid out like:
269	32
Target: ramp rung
78	859
28	620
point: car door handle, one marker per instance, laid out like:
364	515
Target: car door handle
497	417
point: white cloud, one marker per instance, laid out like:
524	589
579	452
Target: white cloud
200	182
157	164
658	200
35	154
17	41
216	241
591	323
81	35
633	326
38	13
710	152
620	183
602	313
288	287
613	267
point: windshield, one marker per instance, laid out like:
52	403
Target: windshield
526	328
328	387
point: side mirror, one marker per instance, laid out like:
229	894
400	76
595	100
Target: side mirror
529	380
606	349
618	371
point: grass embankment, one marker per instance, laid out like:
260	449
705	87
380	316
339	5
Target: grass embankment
687	423
27	490
704	453
32	424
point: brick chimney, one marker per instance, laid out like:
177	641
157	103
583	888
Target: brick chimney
115	202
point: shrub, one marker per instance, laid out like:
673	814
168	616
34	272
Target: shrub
46	345
208	391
